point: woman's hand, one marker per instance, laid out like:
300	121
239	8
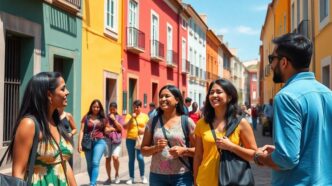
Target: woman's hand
224	143
161	144
79	148
177	151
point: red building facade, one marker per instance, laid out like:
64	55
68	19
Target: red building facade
154	35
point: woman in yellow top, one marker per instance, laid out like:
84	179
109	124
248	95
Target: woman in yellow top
135	125
220	107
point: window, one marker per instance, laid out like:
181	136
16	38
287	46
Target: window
169	43
326	71
323	12
133	14
323	9
154	33
111	16
184	23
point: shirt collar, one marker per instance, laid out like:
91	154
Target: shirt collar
300	76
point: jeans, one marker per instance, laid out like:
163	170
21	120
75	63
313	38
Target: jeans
185	179
254	122
93	159
130	143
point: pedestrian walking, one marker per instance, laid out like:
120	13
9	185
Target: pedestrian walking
91	140
219	111
153	110
169	138
195	113
113	141
135	124
254	116
302	118
69	125
45	93
268	113
187	104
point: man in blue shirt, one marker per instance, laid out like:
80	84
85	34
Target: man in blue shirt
302	118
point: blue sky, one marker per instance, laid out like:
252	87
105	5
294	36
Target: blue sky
240	21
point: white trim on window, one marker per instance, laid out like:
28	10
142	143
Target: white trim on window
111	16
136	24
324	63
326	20
152	37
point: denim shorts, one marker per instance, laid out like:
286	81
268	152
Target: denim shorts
185	179
112	149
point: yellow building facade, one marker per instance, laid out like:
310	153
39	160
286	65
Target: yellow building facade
322	41
101	53
277	22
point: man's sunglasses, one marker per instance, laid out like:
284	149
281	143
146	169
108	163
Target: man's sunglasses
271	58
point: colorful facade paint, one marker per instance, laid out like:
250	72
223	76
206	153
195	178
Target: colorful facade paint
102	53
212	65
152	50
322	65
38	36
197	29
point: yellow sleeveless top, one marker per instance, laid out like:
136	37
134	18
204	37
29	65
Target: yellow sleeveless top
209	168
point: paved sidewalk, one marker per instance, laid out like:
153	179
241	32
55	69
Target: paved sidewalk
82	179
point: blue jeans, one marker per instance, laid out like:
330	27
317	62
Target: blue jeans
254	122
130	143
93	159
185	179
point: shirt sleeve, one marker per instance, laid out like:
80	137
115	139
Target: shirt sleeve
287	131
83	119
127	118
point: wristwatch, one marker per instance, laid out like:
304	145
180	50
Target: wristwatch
256	159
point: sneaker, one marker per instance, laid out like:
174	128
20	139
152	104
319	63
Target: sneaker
107	182
144	180
117	180
130	181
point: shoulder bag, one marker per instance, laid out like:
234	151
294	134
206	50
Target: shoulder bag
139	138
233	170
87	136
6	180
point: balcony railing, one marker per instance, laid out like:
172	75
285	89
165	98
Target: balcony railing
135	40
172	58
304	28
70	5
185	66
157	50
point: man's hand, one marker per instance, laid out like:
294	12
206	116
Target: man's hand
267	149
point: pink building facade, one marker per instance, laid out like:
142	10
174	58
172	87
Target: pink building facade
155	34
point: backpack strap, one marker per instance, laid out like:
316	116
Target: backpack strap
185	129
153	124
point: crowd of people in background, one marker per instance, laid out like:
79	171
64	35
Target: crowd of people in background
185	141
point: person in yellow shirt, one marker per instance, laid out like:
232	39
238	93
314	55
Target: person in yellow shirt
135	125
220	107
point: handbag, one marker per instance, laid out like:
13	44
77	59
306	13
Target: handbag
138	143
139	138
233	170
87	138
6	180
115	137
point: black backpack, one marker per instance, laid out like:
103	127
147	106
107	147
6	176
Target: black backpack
185	129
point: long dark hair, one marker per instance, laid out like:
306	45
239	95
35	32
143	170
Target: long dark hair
177	94
101	114
231	111
35	103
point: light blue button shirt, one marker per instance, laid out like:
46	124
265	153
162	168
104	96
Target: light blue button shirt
303	132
